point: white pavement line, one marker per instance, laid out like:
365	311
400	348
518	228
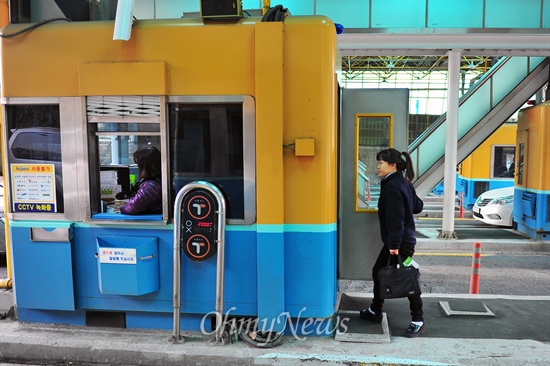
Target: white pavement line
464	296
445	254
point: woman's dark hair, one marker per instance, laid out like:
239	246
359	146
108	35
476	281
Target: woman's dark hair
148	160
394	156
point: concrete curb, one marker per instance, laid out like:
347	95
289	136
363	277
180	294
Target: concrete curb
41	343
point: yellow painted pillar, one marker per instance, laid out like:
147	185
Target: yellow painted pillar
269	174
7	282
4	13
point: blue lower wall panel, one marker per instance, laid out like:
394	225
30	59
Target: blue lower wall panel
271	274
77	317
532	213
43	271
310	268
298	273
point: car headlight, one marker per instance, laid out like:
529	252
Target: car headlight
502	200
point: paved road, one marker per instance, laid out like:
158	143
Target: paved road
500	274
60	364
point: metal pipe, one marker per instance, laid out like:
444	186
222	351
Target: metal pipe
220	263
7	283
266	6
176	301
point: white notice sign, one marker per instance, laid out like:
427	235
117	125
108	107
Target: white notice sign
117	255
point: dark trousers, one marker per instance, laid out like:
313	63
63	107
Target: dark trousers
415	302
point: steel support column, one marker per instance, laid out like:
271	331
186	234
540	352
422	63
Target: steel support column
451	147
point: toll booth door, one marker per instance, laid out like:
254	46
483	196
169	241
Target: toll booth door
372	120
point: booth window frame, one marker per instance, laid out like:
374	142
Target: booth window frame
80	174
128	123
499	155
67	210
248	149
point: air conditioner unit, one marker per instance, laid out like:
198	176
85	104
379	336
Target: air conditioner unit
221	9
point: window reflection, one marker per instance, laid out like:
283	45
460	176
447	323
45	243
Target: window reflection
521	163
207	140
503	161
34	140
112	166
373	132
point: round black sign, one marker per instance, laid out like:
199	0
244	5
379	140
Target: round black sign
198	247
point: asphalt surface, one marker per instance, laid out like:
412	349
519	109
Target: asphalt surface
517	334
461	329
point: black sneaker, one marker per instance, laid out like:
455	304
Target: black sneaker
415	330
365	314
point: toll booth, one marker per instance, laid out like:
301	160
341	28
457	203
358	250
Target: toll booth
253	111
490	166
532	174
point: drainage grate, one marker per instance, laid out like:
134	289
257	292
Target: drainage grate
465	307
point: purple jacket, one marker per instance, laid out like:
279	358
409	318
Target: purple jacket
147	200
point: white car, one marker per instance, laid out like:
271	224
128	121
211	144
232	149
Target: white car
495	207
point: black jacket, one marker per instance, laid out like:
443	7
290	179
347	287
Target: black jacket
397	203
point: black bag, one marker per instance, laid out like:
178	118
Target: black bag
396	281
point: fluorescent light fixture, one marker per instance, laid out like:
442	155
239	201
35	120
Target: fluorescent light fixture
123	20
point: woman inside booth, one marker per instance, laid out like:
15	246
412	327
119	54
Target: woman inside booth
146	194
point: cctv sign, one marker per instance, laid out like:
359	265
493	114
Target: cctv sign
33	187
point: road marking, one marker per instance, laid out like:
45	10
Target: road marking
446	254
441	218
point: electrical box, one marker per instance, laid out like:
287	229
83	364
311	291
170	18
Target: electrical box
304	147
221	9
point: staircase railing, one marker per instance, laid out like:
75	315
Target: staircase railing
488	104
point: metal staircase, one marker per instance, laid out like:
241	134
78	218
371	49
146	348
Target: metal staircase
488	104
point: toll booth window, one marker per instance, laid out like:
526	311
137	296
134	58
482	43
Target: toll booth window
503	161
215	142
34	158
116	129
115	171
